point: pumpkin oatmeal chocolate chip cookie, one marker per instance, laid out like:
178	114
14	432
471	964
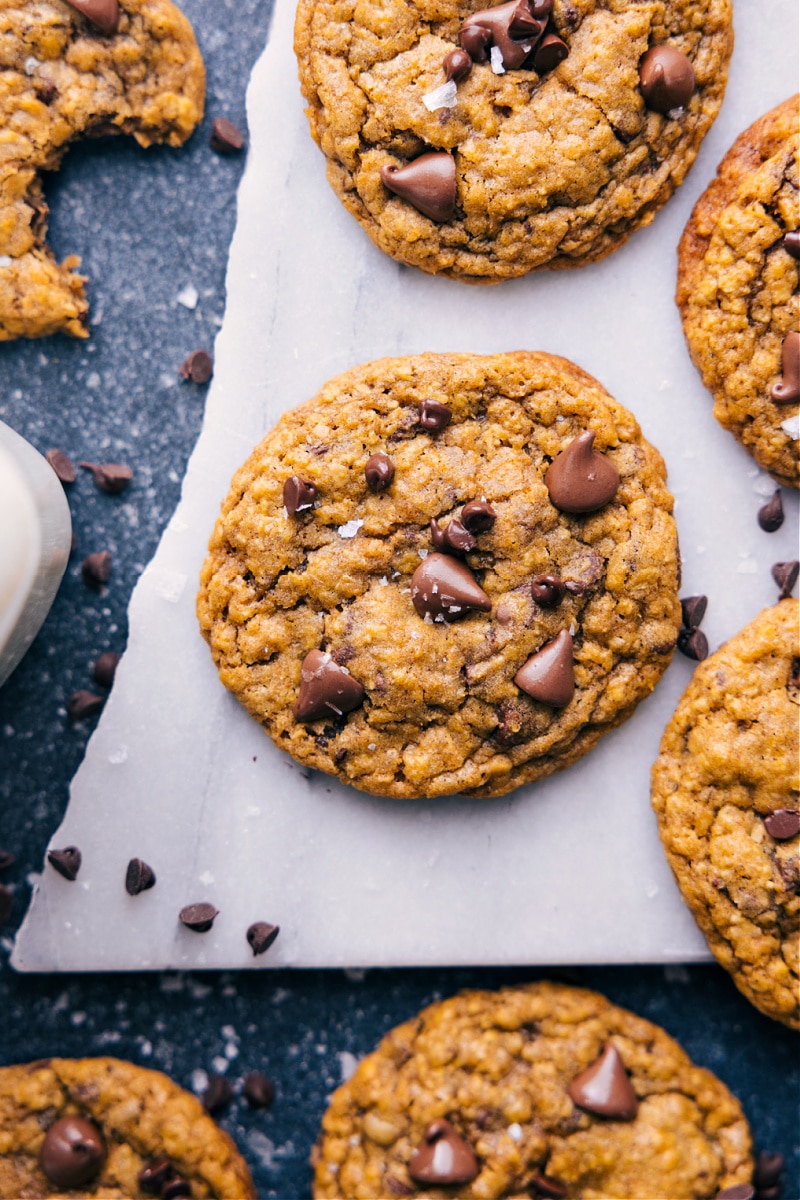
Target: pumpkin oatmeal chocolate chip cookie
67	70
738	275
445	573
536	1091
727	796
103	1127
482	143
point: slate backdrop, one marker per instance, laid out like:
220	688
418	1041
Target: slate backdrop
147	224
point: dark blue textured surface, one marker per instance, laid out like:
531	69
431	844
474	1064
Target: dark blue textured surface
147	224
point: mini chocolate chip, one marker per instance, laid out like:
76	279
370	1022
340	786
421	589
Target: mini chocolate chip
457	65
103	14
225	137
442	585
787	389
548	1188
379	471
175	1188
83	704
693	643
769	1168
549	53
326	689
604	1088
6	903
693	609
261	935
105	668
258	1090
478	516
740	1191
109	477
770	515
667	78
63	466
428	183
139	877
198	917
154	1175
548	590
791	242
783	824
444	1157
218	1093
96	568
581	479
73	1152
198	367
67	861
549	674
434	416
7	859
298	494
785	575
47	91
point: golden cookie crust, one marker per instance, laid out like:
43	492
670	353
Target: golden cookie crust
442	713
142	1115
490	1061
551	172
730	757
738	286
61	79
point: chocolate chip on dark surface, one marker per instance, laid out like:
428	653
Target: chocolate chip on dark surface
549	674
442	586
7	859
769	1193
198	367
740	1191
298	495
175	1188
548	1188
434	416
428	183
693	609
783	824
139	877
218	1093
548	590
103	14
581	479
667	79
379	471
62	465
6	903
105	668
82	704
693	643
785	575
769	1168
787	389
198	917
96	568
477	516
225	137
73	1152
605	1089
109	477
444	1158
549	53
261	935
155	1174
258	1090
326	689
67	861
791	242
770	515
457	65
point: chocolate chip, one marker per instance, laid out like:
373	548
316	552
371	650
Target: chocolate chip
580	479
604	1088
261	935
154	1175
454	538
84	704
176	1188
397	1187
428	183
783	824
63	466
548	590
218	1094
434	416
444	1157
67	861
474	41
478	516
769	1168
693	609
103	14
438	536
379	471
542	1186
6	903
500	22
7	859
225	138
105	668
109	477
457	65
740	1191
298	494
198	917
139	877
96	568
549	53
198	367
770	515
787	389
258	1090
326	689
791	242
785	575
549	675
443	586
693	643
47	91
667	79
73	1152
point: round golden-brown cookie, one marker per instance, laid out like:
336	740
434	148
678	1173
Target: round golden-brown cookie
552	167
434	703
62	78
737	291
726	794
506	1070
126	1118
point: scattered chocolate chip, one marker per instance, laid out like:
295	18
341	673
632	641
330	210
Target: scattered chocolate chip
198	367
326	689
154	1175
6	903
428	183
791	242
67	861
176	1188
693	643
548	590
740	1191
769	1168
96	568
785	575
693	609
63	466
7	859
139	877
443	1158
261	935
438	536
198	917
549	675
298	494
515	17
604	1088
542	1186
580	479
453	539
73	1152
258	1090
397	1187
787	389
379	471
770	515
434	416
783	824
667	78
477	516
82	704
225	138
105	668
474	41
443	586
103	14
109	477
218	1093
457	65
47	91
549	53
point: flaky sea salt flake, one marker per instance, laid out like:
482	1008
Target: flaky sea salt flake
792	427
350	528
188	296
441	97
496	56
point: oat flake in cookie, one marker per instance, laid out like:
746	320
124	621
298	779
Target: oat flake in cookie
726	793
482	143
738	274
535	1091
395	638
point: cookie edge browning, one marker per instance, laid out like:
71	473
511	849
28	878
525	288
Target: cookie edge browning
666	772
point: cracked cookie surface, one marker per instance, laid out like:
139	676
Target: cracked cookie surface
60	79
551	171
729	758
738	286
140	1114
441	711
497	1066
